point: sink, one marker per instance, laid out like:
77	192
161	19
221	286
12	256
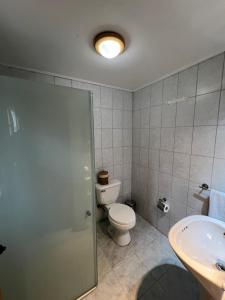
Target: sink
199	242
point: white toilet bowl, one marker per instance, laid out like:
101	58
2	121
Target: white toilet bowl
121	217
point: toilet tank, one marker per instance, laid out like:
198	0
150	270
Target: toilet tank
107	194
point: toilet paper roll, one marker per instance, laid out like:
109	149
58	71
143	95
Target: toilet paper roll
164	207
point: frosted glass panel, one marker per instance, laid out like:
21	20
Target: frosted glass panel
46	189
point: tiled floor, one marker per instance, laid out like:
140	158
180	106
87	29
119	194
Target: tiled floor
147	269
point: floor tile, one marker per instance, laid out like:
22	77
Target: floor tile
108	288
104	265
115	253
130	271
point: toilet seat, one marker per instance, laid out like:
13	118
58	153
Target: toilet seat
121	214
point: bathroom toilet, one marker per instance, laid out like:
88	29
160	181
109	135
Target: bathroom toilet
121	217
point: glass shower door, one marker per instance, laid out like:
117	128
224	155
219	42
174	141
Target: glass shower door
47	226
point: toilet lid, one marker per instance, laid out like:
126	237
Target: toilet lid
121	213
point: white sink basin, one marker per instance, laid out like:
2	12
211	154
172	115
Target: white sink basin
199	242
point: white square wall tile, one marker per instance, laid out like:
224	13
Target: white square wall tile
117	99
117	137
127	100
168	115
166	162
106	97
222	109
127	155
118	171
106	138
170	88
126	187
145	103
218	179
98	158
155	116
206	109
154	136
210	75
181	165
107	157
106	118
117	118
127	171
178	211
140	97
118	156
136	119
183	139
201	169
154	159
153	183
180	190
127	119
137	100
165	185
136	140
193	211
127	137
98	138
167	139
135	155
187	82
145	115
153	197
185	113
144	137
144	157
204	140
156	93
220	142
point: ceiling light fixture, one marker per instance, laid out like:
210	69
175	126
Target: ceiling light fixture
109	44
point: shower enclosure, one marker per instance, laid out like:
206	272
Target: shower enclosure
47	223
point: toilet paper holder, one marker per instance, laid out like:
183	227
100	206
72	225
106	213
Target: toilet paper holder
163	206
162	200
204	187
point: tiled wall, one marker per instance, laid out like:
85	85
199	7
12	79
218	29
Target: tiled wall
112	124
175	147
180	146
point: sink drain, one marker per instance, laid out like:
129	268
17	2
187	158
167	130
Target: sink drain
220	266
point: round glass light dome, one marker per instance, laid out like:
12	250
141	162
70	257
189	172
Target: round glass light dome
109	44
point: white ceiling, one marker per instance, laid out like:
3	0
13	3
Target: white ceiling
162	36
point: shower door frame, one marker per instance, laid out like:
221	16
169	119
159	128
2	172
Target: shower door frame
93	198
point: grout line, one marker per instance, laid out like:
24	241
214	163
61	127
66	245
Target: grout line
192	135
174	134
